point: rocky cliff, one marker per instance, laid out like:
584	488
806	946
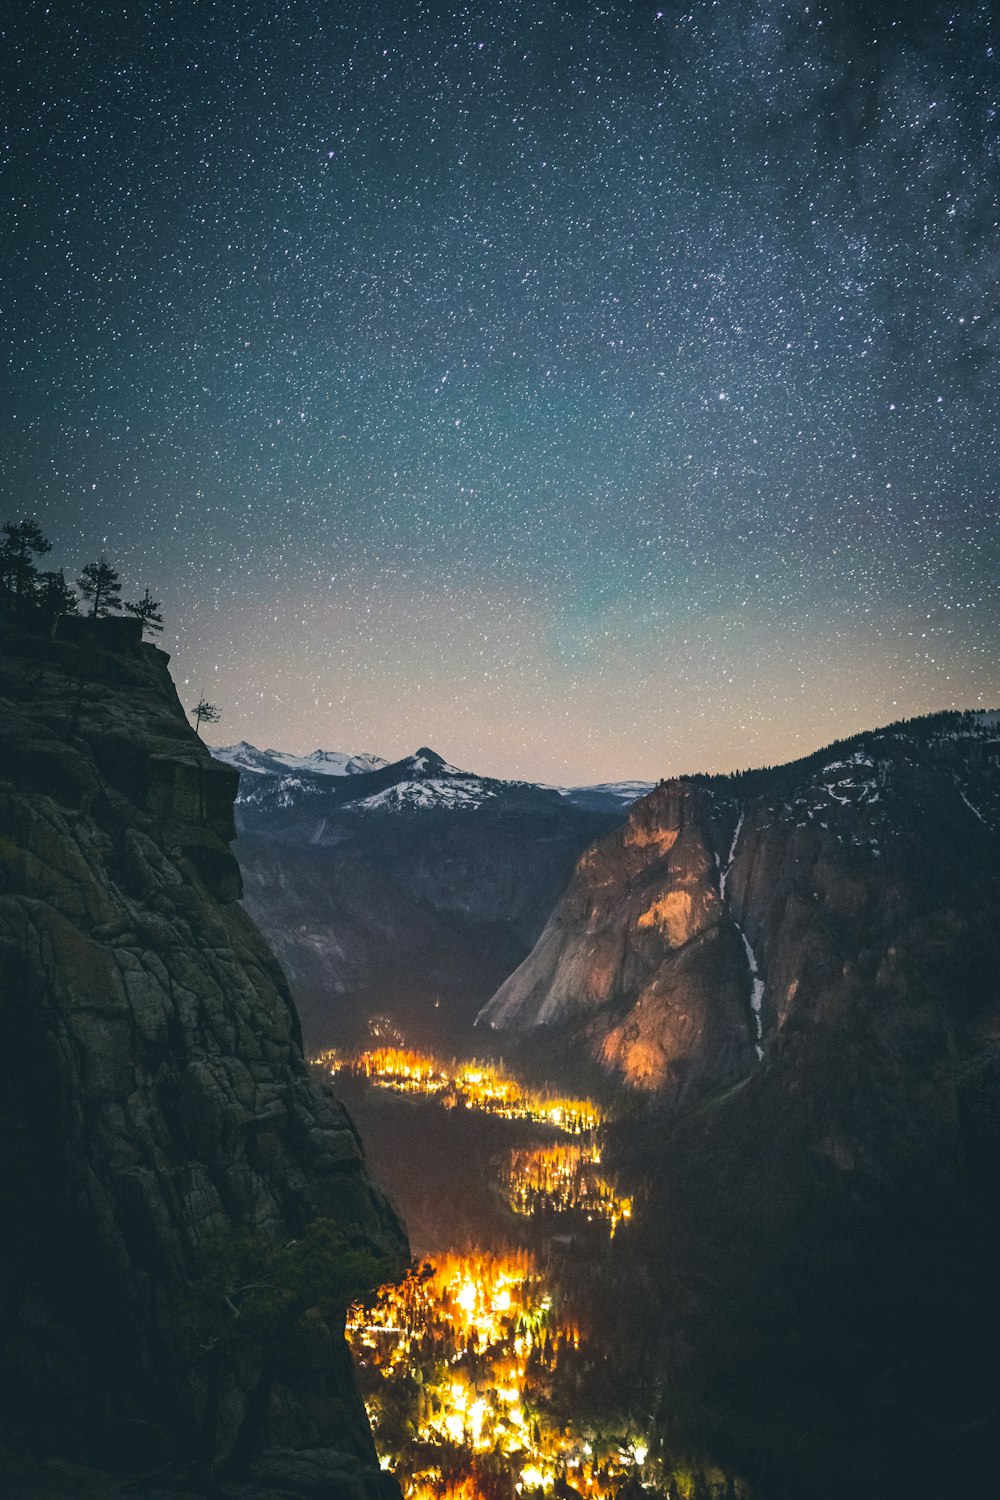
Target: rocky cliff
640	960
727	907
166	1149
798	969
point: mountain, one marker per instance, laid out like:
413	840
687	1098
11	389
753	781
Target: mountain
165	1145
798	970
423	779
413	887
678	951
366	784
607	796
245	757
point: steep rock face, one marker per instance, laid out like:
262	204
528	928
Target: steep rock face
154	1099
725	906
640	957
823	1193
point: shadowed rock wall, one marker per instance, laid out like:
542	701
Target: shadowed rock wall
154	1101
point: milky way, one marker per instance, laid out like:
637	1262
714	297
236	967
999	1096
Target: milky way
586	390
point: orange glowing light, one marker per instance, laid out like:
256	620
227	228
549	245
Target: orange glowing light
475	1085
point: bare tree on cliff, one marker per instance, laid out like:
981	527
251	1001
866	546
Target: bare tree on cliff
148	611
204	713
99	585
22	543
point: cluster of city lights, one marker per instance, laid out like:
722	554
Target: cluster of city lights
564	1178
472	1085
460	1363
466	1364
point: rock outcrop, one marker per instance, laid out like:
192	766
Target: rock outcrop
160	1125
798	971
727	907
639	959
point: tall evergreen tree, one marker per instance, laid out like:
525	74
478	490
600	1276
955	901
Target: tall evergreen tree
54	596
100	586
22	543
148	611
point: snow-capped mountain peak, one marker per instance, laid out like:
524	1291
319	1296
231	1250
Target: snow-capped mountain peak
427	762
366	784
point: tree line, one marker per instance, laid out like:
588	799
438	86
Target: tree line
34	596
29	593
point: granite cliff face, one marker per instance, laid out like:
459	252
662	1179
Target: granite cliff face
156	1109
798	971
639	960
729	907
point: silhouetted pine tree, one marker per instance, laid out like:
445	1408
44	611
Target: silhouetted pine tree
22	543
54	597
148	611
100	586
204	713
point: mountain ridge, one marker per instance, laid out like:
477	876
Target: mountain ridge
415	883
842	795
442	783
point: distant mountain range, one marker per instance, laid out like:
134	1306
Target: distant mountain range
246	757
413	885
423	780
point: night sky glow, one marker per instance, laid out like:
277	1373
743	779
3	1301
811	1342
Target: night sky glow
587	390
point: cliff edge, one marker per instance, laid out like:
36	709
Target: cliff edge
173	1180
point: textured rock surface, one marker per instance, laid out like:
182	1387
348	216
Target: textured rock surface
153	1094
639	958
805	891
821	1218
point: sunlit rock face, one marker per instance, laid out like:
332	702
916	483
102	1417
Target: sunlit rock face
154	1100
799	968
639	957
728	905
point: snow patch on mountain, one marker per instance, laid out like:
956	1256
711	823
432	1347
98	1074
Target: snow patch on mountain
418	781
625	791
466	792
246	757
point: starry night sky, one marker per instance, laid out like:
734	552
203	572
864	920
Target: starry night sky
584	389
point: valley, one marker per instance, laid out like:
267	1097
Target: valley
726	1078
690	1110
500	751
513	1360
412	885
